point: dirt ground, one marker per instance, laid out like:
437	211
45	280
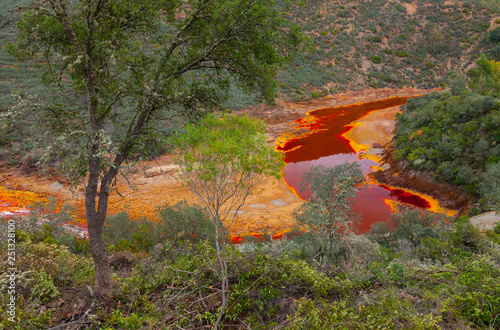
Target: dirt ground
270	208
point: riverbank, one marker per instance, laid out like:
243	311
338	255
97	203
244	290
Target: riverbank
154	183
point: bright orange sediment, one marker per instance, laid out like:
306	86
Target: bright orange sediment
364	126
259	213
17	201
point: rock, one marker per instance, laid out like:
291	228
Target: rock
485	221
55	186
258	206
158	249
160	170
385	167
376	145
279	202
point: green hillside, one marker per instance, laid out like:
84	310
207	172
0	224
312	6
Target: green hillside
355	45
385	44
14	76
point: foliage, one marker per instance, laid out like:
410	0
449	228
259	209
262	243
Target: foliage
327	214
376	59
55	261
490	186
449	277
453	137
408	225
480	301
176	225
123	233
485	77
222	161
466	236
493	40
49	223
184	222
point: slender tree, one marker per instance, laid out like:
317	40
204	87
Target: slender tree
222	161
328	212
135	63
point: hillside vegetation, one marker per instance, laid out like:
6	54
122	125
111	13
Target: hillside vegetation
380	43
355	44
456	135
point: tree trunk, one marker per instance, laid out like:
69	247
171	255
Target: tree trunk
95	223
99	255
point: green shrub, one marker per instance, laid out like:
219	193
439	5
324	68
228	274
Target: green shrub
34	285
133	321
43	288
490	186
184	222
408	225
466	236
177	224
401	53
56	261
376	59
122	232
476	293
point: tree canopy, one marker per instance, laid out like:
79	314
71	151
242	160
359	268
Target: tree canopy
327	214
132	65
222	161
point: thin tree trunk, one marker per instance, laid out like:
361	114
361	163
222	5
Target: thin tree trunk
99	255
95	222
221	259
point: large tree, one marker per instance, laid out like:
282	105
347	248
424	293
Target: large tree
134	63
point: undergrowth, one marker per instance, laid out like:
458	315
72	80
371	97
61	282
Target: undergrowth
426	273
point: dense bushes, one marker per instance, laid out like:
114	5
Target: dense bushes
453	136
408	226
177	224
425	274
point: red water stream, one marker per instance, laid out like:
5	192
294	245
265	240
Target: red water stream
321	142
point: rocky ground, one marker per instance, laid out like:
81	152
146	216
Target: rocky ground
485	221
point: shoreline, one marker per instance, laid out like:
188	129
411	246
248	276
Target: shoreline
155	183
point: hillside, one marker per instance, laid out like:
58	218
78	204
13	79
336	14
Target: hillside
356	45
379	43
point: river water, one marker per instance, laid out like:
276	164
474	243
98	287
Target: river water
322	137
319	138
